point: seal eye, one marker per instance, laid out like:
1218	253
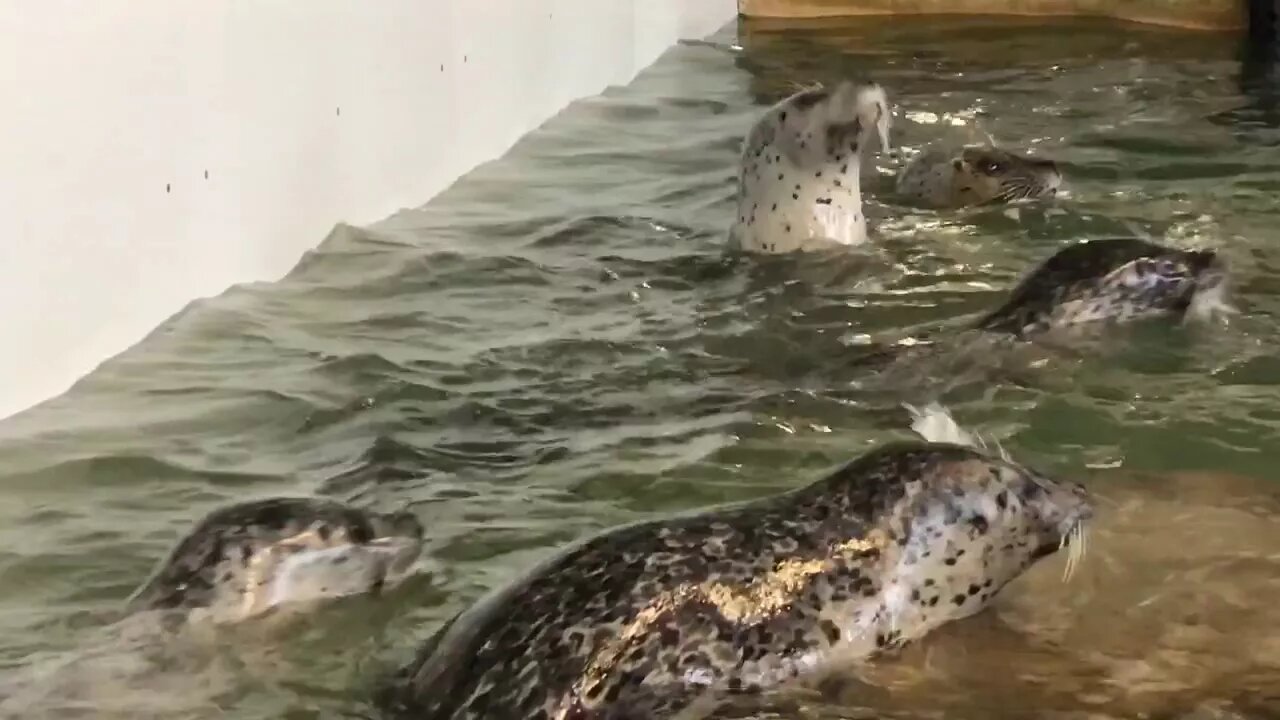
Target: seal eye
991	167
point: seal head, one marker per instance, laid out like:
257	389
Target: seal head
799	186
245	559
1113	280
977	175
670	618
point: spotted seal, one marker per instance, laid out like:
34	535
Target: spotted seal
249	558
798	181
976	175
1087	286
1112	280
255	560
669	618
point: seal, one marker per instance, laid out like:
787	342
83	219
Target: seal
1113	280
799	185
976	175
1089	285
246	559
671	618
249	560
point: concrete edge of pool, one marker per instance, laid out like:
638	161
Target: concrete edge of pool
157	152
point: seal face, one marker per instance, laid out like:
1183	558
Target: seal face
977	175
1113	280
244	559
798	183
668	618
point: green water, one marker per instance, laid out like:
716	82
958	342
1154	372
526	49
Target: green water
558	344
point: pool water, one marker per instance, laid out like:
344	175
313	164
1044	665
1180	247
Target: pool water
559	343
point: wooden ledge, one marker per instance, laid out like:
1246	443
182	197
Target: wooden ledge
1186	14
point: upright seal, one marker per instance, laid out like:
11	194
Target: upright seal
798	183
670	618
976	175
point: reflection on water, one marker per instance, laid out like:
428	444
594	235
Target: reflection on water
558	344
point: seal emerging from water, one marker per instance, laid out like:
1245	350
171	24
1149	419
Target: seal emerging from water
798	185
1113	280
976	175
237	563
1090	285
245	559
666	619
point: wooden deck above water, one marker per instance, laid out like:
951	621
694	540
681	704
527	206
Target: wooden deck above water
1191	14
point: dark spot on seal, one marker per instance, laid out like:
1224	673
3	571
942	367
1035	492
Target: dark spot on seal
1002	499
827	201
795	196
782	116
959	599
775	207
974	589
957	164
950	561
980	524
831	631
324	532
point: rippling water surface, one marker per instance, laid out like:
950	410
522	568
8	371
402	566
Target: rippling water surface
558	344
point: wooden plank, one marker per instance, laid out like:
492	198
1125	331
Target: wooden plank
1189	14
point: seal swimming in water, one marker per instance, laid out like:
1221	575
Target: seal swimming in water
245	561
1113	280
252	557
669	618
799	185
1088	285
976	175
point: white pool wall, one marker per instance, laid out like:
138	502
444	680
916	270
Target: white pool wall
153	152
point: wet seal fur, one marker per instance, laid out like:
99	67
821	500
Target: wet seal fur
264	560
799	184
249	558
976	175
1094	284
1114	280
670	618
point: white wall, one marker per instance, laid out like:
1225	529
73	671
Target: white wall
302	114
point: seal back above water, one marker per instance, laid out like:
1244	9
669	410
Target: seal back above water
1093	284
1113	280
248	558
799	185
976	175
665	619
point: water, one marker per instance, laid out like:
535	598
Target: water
557	344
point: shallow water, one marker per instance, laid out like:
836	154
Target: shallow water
558	344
